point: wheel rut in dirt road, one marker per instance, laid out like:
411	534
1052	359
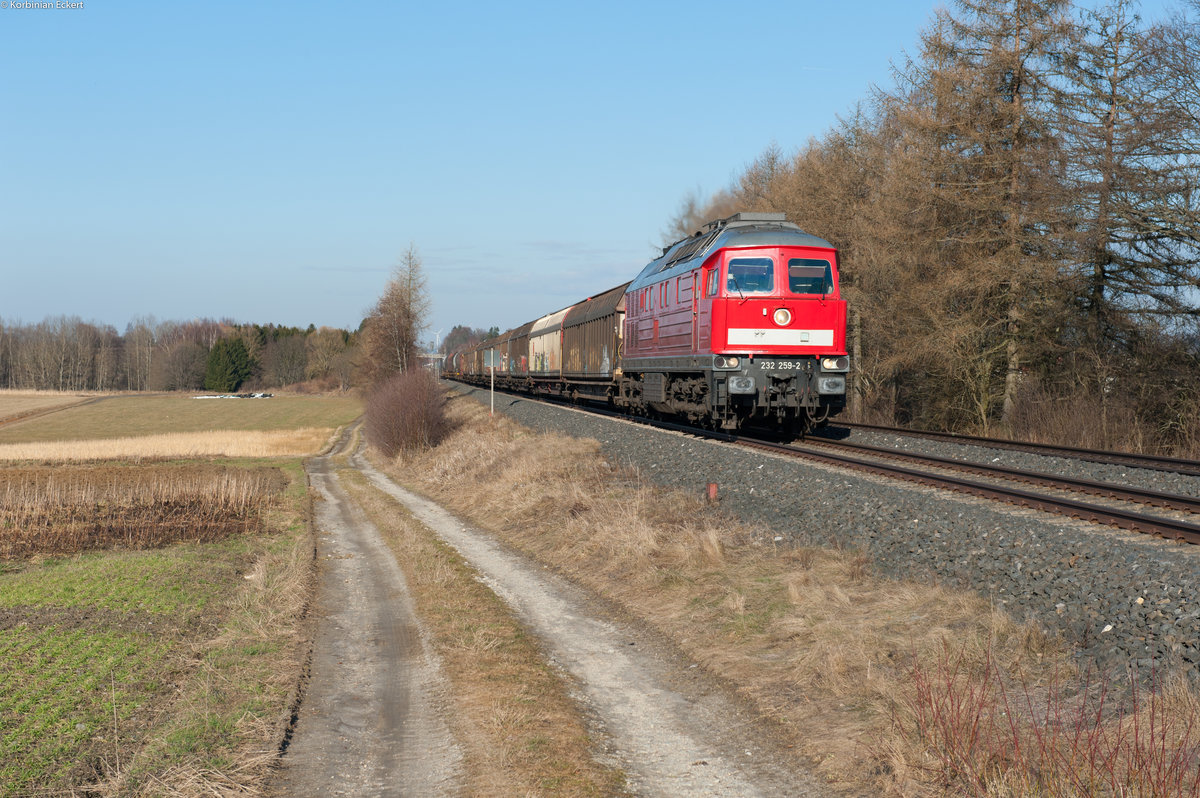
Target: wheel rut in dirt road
674	736
373	718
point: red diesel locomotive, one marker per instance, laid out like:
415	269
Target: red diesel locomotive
741	322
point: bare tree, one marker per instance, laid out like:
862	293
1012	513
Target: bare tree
694	212
759	188
139	352
7	348
285	360
180	365
324	345
394	325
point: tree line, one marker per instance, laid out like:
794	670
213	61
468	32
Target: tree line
1018	219
69	354
66	353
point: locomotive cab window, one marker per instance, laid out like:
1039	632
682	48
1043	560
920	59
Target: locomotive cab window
810	276
750	276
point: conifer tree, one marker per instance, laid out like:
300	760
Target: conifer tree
228	366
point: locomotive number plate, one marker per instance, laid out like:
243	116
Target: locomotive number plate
780	365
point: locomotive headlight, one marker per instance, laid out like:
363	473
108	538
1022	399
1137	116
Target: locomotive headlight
835	363
722	362
828	385
782	317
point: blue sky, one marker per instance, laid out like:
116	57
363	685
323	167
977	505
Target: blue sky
271	162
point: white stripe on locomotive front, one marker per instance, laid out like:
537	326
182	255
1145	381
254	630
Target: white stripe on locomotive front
741	336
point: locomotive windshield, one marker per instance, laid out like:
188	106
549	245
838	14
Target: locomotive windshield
810	276
750	276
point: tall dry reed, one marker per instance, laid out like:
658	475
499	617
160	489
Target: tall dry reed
61	510
215	443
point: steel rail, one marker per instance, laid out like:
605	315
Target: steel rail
1153	525
1173	501
1177	465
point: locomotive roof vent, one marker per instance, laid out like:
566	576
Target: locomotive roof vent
750	216
700	241
745	218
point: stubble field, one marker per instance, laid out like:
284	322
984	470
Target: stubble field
149	607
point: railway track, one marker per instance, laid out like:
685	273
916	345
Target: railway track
1158	463
1170	501
929	470
1162	526
1186	531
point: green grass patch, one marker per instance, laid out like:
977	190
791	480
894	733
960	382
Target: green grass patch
68	698
180	581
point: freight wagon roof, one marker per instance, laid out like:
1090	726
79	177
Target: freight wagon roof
502	338
740	230
596	307
509	335
549	323
522	330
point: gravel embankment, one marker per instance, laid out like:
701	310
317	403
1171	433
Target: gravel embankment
1081	580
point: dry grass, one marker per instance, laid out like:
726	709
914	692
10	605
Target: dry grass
513	716
62	510
218	443
1112	422
824	648
133	427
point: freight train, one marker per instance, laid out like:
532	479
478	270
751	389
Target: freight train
741	323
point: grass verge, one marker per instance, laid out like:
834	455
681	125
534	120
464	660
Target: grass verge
520	729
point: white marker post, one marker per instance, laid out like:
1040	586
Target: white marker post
492	358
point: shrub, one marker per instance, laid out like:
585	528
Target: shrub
405	412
